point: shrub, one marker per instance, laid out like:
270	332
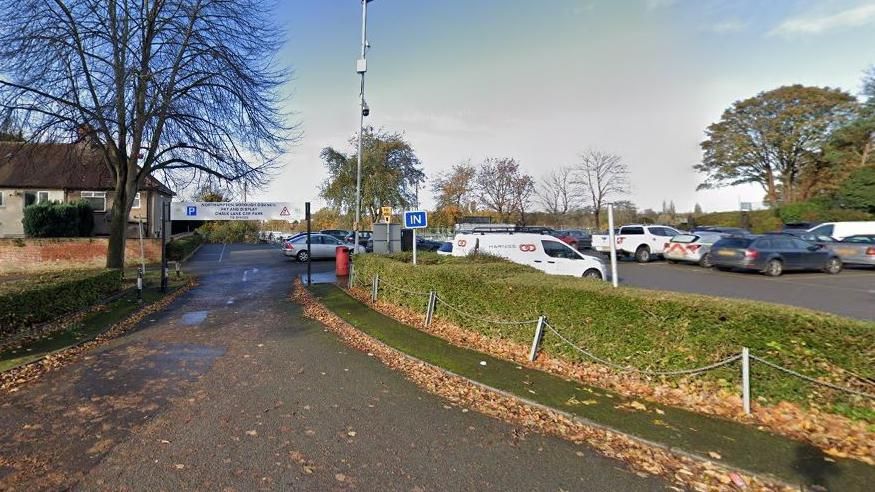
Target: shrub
230	231
642	328
178	249
47	297
54	219
801	212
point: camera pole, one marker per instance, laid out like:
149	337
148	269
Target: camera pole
361	68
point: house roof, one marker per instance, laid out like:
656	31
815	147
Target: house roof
59	166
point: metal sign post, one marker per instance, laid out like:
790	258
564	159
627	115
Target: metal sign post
309	251
613	241
142	251
415	219
165	214
387	218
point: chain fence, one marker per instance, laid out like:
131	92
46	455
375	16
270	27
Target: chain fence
542	323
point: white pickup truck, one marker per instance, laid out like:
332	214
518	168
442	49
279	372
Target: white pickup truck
641	241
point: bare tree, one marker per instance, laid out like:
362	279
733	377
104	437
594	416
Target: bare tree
602	176
557	190
495	184
185	88
523	189
502	187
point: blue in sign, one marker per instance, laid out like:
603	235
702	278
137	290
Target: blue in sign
417	219
191	211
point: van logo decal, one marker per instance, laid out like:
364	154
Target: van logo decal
528	248
462	243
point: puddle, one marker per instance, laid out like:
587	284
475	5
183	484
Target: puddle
194	317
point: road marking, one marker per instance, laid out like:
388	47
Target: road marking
245	272
222	253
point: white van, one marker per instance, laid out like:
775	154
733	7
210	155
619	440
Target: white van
841	230
540	251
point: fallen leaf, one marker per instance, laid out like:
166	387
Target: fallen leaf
251	433
351	433
714	455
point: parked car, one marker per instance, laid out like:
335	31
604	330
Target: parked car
853	250
363	237
446	248
773	254
340	234
540	251
576	238
692	248
423	244
643	242
841	230
738	231
321	246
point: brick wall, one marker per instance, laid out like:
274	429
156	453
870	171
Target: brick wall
39	255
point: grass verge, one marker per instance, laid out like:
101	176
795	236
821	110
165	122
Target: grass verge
647	329
674	433
87	328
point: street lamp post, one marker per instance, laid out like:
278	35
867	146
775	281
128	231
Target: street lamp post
361	68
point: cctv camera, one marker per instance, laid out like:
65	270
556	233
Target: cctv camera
365	109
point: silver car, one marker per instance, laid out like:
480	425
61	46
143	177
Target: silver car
321	246
853	250
691	248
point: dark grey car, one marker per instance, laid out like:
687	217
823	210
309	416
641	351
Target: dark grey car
773	254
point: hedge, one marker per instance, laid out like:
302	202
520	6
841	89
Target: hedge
54	219
642	328
178	249
47	297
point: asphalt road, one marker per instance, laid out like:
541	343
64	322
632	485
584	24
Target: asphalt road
232	389
850	293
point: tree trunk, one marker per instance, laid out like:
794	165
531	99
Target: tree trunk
115	253
125	188
595	214
771	193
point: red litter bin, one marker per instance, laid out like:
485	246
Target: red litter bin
342	261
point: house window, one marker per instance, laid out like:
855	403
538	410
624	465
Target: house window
34	197
97	199
136	201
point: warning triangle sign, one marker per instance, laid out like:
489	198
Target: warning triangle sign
285	211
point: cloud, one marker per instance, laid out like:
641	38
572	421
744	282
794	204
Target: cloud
731	25
658	4
816	24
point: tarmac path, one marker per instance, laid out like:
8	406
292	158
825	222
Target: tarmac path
232	388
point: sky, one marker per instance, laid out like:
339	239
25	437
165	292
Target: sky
543	81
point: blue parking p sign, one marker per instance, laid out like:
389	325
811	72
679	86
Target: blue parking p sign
191	211
415	219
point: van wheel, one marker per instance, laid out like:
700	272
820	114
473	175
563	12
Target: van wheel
833	266
303	256
592	273
705	261
642	254
774	268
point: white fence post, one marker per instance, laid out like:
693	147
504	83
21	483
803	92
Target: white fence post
539	333
429	311
375	286
612	238
745	379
